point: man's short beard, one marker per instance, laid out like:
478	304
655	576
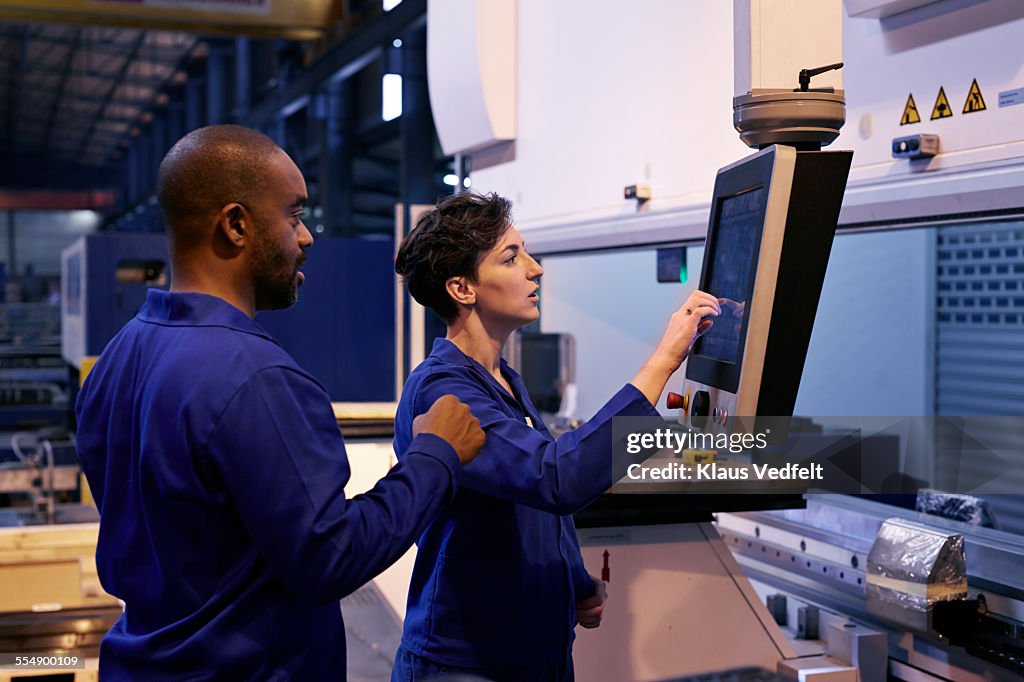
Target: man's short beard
276	294
273	276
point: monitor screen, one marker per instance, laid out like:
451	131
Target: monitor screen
541	369
734	242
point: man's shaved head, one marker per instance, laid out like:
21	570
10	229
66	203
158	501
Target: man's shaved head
206	170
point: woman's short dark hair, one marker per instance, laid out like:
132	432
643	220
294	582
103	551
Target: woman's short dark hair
449	241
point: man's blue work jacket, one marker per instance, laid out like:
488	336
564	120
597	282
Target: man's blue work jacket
498	575
219	472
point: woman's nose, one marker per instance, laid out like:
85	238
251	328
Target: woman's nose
535	270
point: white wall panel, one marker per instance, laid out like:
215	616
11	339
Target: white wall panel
612	94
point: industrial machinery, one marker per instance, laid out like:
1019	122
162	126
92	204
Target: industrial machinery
895	592
683	604
547	364
907	585
849	588
104	278
773	218
51	601
44	470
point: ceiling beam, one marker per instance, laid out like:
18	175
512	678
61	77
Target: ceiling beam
124	101
19	63
150	82
65	72
110	94
161	54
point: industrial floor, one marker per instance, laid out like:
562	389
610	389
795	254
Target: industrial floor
373	632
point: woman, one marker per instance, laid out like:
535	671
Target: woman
499	583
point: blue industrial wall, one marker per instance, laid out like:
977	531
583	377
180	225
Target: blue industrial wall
110	304
342	330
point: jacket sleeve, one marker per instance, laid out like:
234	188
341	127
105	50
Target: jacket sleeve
520	464
281	456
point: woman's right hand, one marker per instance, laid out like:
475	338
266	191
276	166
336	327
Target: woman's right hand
692	319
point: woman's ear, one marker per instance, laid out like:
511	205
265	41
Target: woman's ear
461	290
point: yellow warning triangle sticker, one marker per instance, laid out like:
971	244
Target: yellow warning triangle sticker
975	102
941	108
910	114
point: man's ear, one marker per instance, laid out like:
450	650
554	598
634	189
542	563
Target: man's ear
461	290
235	224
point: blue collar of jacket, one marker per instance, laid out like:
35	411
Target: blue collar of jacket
190	309
448	353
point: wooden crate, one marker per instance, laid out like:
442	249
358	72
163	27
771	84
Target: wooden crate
50	568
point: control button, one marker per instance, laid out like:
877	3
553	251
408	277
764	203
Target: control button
725	415
699	409
714	415
686	400
701	404
674	401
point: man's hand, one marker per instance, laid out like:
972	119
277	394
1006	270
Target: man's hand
450	418
588	611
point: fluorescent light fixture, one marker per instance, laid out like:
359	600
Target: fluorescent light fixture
452	180
391	106
84	220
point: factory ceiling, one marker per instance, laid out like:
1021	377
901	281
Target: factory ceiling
74	96
87	110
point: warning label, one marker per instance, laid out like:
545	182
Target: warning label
910	114
975	102
941	108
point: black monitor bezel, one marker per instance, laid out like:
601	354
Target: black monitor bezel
527	376
747	176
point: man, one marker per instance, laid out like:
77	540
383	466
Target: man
216	462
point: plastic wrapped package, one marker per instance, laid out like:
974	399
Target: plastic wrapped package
956	506
910	568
